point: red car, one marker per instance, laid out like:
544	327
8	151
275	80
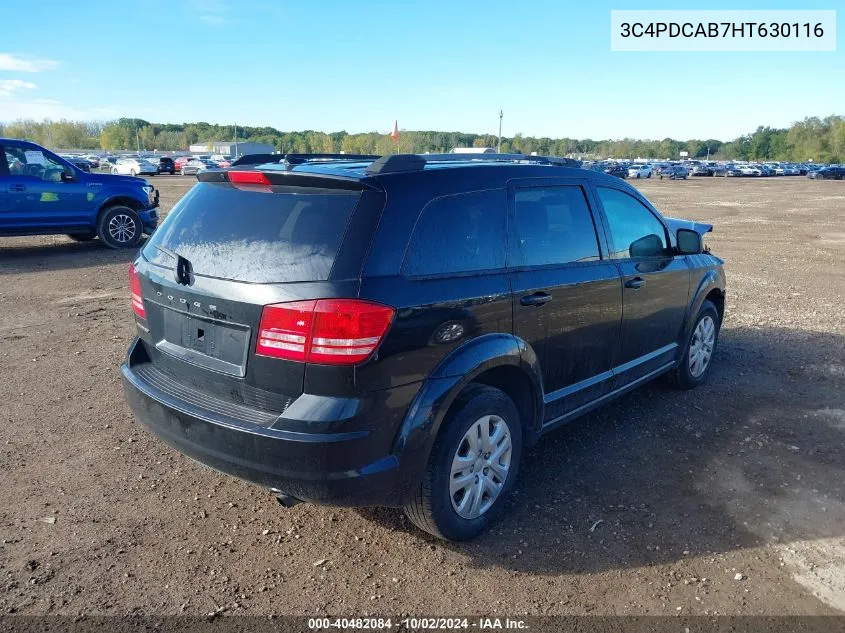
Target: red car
178	163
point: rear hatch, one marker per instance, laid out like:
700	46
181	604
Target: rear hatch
223	253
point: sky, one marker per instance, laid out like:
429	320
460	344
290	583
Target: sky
448	65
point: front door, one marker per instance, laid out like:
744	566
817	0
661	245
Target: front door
39	197
567	297
655	285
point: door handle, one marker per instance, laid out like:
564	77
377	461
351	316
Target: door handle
17	187
537	299
636	282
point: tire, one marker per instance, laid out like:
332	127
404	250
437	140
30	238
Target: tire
433	508
182	171
83	237
120	227
687	375
114	171
649	176
661	176
133	172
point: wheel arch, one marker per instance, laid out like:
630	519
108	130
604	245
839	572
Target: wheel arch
711	286
128	201
498	360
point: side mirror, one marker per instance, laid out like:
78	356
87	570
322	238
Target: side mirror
689	242
648	246
67	176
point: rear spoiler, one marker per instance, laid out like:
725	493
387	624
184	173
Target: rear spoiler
255	177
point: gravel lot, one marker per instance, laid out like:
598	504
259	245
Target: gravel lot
729	499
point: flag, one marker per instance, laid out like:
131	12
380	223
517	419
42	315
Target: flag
395	133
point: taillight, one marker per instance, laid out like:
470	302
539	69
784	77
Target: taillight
325	331
285	329
135	289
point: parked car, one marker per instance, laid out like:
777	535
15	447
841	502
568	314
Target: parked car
195	166
181	161
107	162
43	194
614	169
675	172
79	162
134	167
639	171
720	169
164	164
749	170
381	333
765	170
93	161
733	171
701	170
831	173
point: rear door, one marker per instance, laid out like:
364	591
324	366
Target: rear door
567	299
655	283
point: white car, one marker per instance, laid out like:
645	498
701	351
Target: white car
639	171
134	167
749	170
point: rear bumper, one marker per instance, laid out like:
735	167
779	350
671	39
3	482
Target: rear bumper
343	468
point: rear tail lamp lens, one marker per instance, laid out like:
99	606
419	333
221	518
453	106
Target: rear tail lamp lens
325	331
135	290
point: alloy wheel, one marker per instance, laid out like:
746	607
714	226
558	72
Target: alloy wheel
122	228
701	346
480	466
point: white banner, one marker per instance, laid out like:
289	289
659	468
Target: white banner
716	30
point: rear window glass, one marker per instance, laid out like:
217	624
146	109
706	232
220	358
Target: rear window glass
291	234
459	234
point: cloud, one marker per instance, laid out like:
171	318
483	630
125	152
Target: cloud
211	12
9	86
14	107
17	63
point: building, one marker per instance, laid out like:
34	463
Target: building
231	148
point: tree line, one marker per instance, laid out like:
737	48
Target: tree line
814	138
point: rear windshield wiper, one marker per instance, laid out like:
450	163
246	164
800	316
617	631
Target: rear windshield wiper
184	268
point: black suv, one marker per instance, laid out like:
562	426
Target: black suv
397	332
165	164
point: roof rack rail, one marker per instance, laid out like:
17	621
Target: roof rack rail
299	159
414	162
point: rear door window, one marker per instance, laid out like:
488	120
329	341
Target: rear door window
259	235
458	234
553	225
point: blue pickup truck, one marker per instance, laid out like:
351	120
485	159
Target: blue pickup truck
43	194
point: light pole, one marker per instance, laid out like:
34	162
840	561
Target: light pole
499	148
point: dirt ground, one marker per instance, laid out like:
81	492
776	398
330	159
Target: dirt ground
729	499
